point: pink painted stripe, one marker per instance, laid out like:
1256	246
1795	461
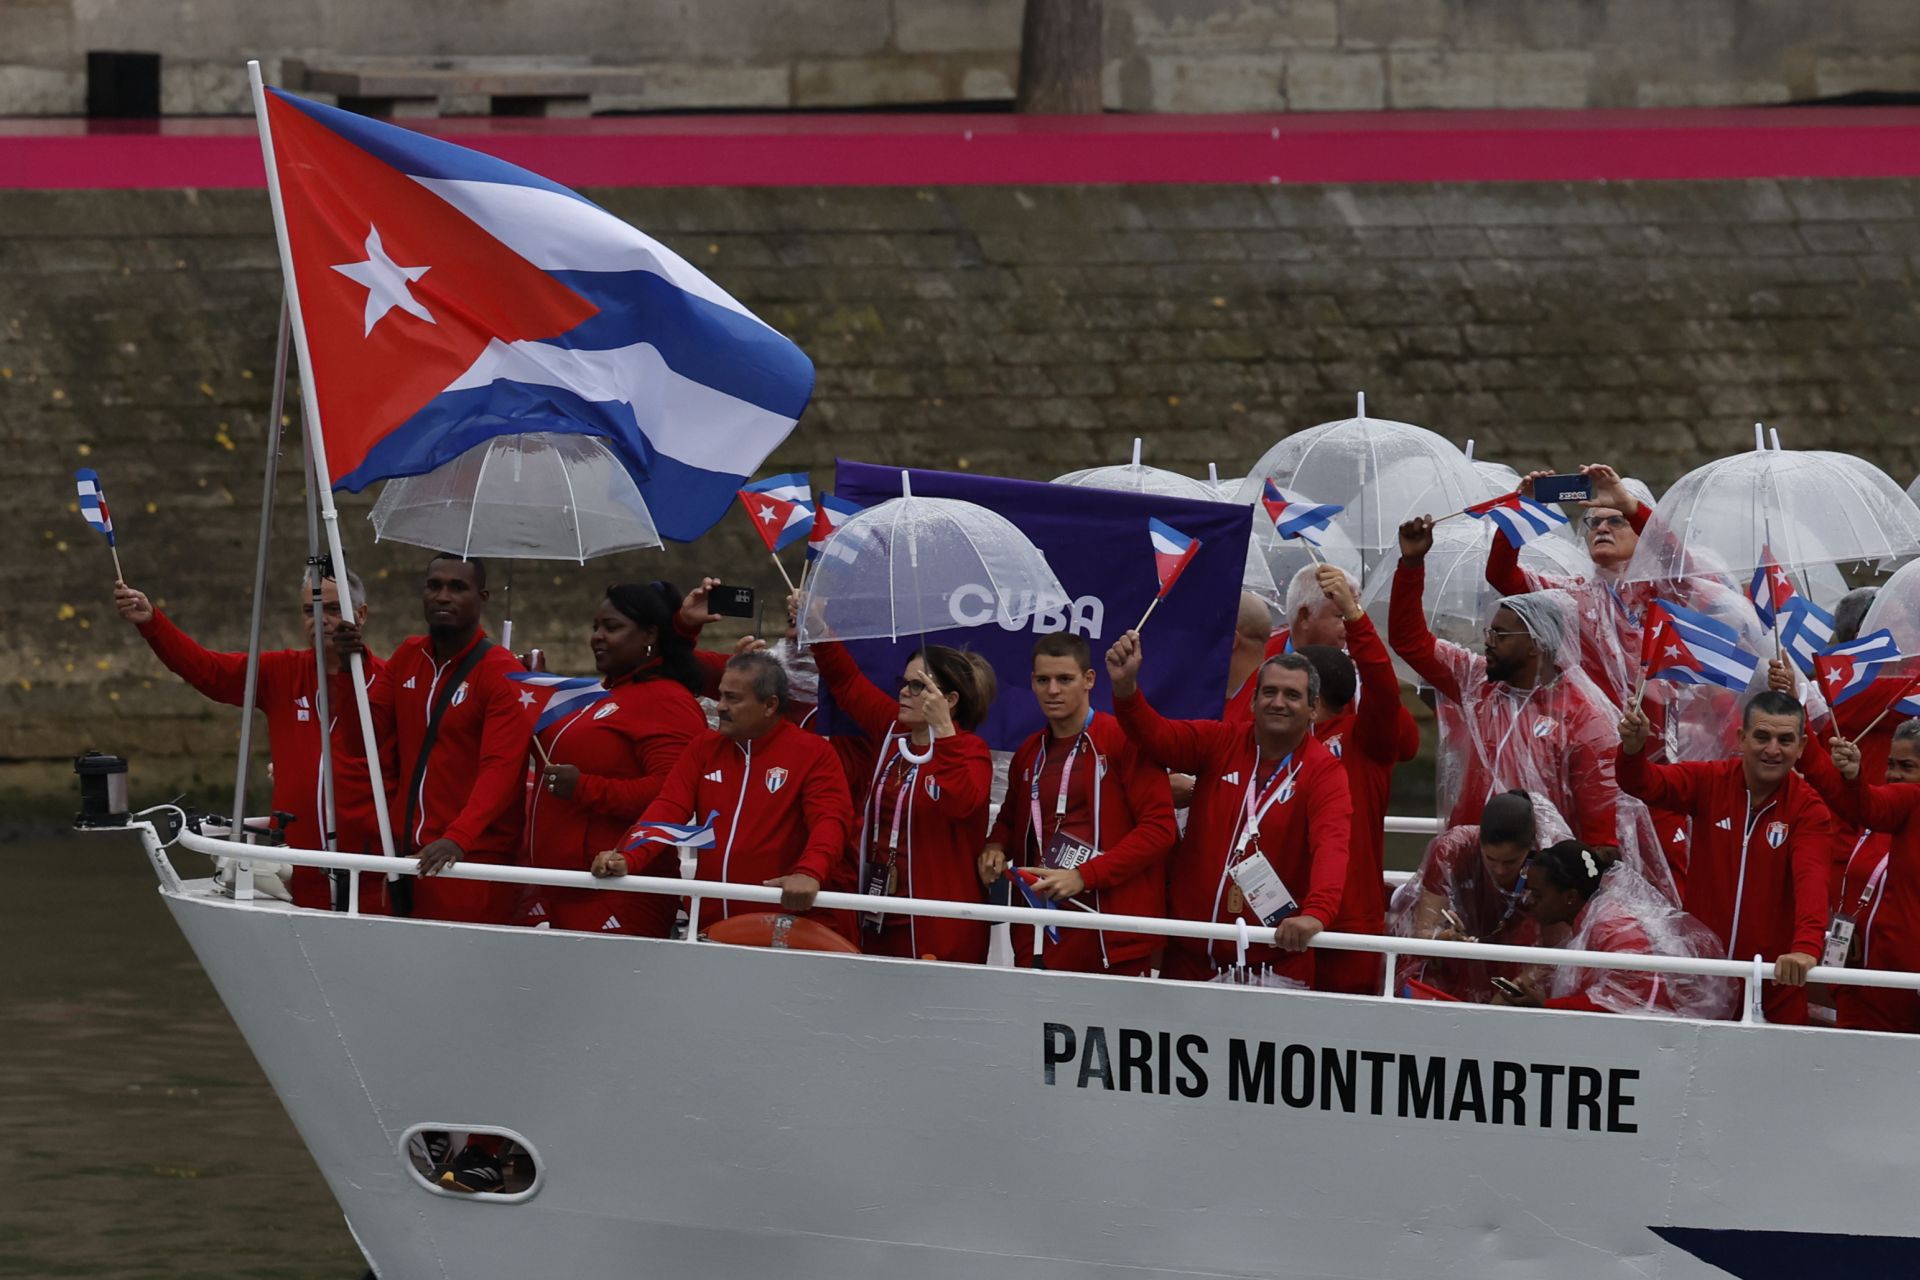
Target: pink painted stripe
926	150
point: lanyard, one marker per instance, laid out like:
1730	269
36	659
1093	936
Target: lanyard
1513	902
901	799
1874	881
1066	781
1280	787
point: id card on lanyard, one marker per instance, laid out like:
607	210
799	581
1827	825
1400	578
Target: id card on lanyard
1255	882
883	874
1057	849
1840	930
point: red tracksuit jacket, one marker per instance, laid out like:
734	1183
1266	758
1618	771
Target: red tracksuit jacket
285	691
474	789
1758	875
782	810
1306	837
1553	732
1887	856
943	826
1118	803
1375	734
854	751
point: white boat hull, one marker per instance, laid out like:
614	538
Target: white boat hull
702	1110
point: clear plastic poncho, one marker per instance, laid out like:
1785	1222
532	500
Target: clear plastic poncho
1627	914
1556	740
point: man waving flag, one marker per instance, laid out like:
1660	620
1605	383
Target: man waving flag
446	297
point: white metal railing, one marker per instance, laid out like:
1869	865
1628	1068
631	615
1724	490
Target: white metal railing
1751	973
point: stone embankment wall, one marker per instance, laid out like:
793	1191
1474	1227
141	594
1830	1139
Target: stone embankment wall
1161	55
1018	331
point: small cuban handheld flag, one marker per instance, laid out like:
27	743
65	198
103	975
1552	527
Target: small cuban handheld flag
828	514
1690	648
93	506
1302	520
1019	877
551	699
781	508
1863	679
686	834
1520	519
446	297
1806	630
1173	551
1771	589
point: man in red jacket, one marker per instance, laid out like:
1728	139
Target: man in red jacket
1369	745
285	691
1085	808
1267	837
775	794
1762	841
460	796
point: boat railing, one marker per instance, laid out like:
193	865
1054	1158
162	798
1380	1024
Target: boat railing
1752	973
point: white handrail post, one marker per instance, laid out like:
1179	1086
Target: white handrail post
1754	1011
1240	944
693	918
1392	962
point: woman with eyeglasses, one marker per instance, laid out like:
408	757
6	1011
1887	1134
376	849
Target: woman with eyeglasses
1584	896
604	761
1470	888
924	820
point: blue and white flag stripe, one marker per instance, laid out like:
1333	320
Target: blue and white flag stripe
1308	523
1806	629
1715	646
691	835
692	388
93	502
570	694
1167	540
791	487
1869	654
1522	524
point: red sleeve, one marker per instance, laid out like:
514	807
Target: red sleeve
674	803
962	771
1813	853
1010	824
853	693
1407	629
656	752
1642	515
1590	774
1329	833
1816	766
1663	786
1504	573
1152	833
219	676
829	811
1379	736
1184	746
501	775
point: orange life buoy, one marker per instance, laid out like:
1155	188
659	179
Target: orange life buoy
780	931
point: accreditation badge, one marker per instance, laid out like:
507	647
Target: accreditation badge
1064	852
1839	945
1257	885
882	878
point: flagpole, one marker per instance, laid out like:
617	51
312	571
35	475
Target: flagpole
329	516
322	692
119	578
1912	681
243	874
780	564
1148	613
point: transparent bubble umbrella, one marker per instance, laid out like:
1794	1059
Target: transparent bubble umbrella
1457	599
538	496
1800	508
909	566
1896	607
1382	472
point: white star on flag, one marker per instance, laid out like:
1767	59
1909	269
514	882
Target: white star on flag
386	282
767	514
526	699
1673	651
1836	676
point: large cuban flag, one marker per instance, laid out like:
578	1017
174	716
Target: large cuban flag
448	297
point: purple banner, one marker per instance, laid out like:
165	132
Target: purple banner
1096	541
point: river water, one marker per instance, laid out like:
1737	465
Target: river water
137	1135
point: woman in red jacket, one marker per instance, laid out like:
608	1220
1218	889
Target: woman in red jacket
606	762
924	821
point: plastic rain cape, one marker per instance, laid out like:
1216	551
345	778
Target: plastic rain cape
1629	915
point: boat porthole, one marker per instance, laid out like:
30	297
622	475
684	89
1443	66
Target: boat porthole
478	1162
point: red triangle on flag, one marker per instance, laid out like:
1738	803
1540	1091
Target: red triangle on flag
337	196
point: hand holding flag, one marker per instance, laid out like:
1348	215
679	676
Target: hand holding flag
1173	551
1864	679
93	505
685	834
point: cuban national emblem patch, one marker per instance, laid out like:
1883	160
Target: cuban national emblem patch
776	778
459	695
933	789
606	709
1776	834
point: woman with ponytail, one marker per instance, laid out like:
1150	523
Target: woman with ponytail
601	764
924	820
1609	907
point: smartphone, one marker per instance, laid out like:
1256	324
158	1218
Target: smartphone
1506	988
731	602
1569	488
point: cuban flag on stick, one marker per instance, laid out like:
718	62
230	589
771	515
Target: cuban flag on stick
1019	877
549	699
781	508
1305	521
1771	590
93	506
828	514
685	834
1806	631
1864	679
443	297
1173	551
1690	648
1520	519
